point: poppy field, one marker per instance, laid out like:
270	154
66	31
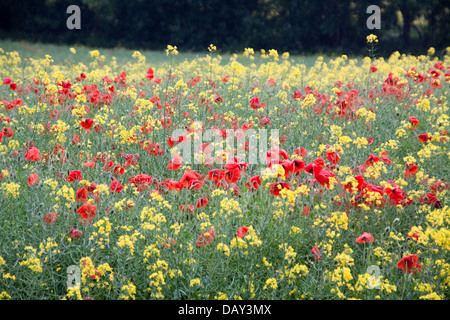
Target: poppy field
253	176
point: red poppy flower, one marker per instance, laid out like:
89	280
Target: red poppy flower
305	210
247	126
319	162
74	175
276	187
296	95
282	153
87	123
50	218
141	178
373	68
232	176
439	65
254	102
435	83
118	170
169	243
413	234
409	264
32	179
332	156
235	189
434	74
150	74
301	152
74	233
13	86
365	237
254	183
264	121
187	207
242	231
272	157
175	163
424	137
371	160
116	186
414	122
385	157
271	82
322	176
8	132
439	186
96	274
288	167
91	188
202	202
76	139
188	177
16	102
298	165
174	185
429	198
206	238
7	80
82	194
316	252
196	184
443	137
373	188
396	195
410	170
108	164
89	164
216	174
5	119
33	154
87	211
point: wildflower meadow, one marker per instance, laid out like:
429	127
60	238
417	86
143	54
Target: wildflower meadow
255	175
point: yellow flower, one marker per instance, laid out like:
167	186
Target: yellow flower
271	283
4	296
431	296
212	48
371	38
94	53
171	50
194	282
130	289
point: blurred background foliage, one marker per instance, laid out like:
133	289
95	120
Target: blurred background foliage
302	27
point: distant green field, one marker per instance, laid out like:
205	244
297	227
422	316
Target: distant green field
60	53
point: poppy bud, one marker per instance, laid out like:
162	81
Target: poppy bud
438	204
74	233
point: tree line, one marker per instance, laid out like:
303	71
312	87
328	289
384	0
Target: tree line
308	26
